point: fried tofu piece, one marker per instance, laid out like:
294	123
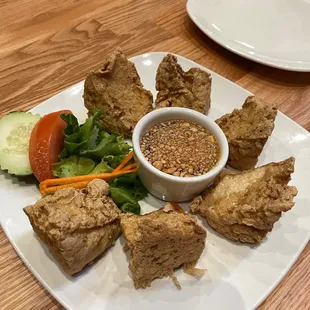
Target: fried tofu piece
247	131
76	225
176	88
117	89
160	242
244	206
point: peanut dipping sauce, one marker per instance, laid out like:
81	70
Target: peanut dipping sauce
180	148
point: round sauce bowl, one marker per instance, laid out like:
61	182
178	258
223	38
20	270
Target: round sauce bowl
166	186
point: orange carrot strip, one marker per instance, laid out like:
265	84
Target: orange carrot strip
78	182
91	176
129	167
81	181
88	177
177	207
53	189
42	187
74	179
124	162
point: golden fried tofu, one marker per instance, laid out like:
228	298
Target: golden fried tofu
117	89
244	206
247	131
161	241
76	225
177	88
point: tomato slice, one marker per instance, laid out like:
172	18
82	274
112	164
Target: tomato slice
46	143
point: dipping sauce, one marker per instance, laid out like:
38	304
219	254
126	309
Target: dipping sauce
180	148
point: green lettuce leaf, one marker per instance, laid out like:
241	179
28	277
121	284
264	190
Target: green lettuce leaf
114	160
132	184
72	124
90	139
126	190
102	167
79	137
124	200
110	145
73	166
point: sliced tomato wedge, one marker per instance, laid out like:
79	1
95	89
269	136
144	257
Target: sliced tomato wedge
46	143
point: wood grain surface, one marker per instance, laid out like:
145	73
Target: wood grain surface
46	46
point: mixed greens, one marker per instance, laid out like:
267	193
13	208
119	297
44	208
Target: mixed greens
89	149
90	140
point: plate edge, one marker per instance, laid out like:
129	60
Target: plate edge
235	51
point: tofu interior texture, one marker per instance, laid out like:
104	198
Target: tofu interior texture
161	241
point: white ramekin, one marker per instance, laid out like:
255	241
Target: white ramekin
165	186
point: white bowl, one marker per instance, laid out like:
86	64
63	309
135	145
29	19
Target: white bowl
165	186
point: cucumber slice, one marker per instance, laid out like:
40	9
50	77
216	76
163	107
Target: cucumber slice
15	131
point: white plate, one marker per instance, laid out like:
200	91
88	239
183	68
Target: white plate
239	276
274	33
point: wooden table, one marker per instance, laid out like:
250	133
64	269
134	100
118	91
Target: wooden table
46	46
